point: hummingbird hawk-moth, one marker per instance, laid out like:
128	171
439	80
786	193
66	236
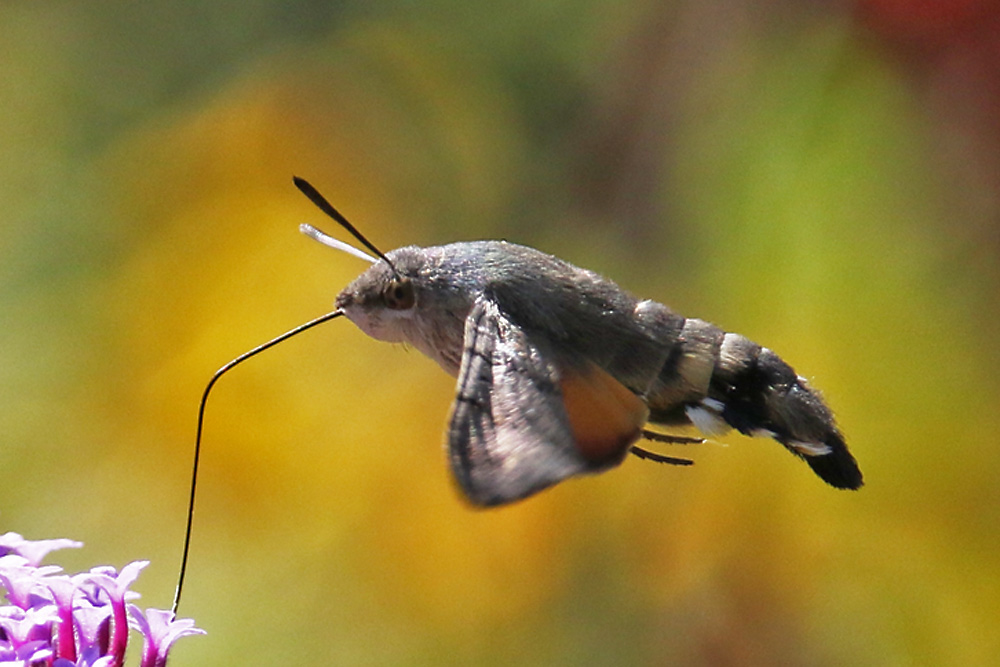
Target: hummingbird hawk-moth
559	370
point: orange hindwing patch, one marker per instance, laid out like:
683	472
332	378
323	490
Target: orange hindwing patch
604	415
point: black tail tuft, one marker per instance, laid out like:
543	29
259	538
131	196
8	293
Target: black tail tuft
838	468
761	394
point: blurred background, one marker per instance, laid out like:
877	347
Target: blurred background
823	177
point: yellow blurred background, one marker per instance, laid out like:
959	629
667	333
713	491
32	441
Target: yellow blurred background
821	177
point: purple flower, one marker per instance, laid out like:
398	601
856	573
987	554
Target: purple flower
91	658
75	621
93	625
34	551
26	654
160	630
24	626
23	581
116	586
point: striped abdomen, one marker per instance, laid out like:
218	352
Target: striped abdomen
718	380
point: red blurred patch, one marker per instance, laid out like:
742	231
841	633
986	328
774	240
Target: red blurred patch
928	25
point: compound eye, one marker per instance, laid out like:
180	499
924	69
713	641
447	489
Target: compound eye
399	294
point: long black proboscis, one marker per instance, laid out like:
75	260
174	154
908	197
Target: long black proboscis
201	420
322	204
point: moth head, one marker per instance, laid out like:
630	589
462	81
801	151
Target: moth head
385	301
382	302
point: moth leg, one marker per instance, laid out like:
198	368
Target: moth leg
670	439
667	438
647	455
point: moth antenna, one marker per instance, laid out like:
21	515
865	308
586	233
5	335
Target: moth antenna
197	438
327	240
320	201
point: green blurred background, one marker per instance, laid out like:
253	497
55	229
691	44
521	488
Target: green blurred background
821	177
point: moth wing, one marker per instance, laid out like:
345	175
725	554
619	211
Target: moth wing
520	423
